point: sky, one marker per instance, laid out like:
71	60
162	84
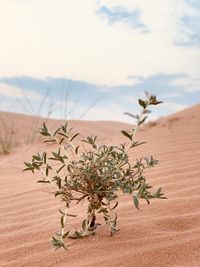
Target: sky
93	59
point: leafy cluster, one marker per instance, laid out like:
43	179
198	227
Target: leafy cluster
94	173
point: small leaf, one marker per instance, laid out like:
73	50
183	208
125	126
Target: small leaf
57	193
62	221
76	150
57	131
60	168
61	212
43	181
47	171
116	204
136	143
61	140
54	239
159	191
136	202
78	234
65	234
142	121
71	215
156	102
142	103
65	135
36	158
45	157
74	136
126	134
131	115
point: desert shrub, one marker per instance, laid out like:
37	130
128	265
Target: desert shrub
95	173
7	132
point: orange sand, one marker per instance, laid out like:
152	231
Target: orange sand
166	233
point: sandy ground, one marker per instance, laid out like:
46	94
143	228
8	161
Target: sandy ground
166	233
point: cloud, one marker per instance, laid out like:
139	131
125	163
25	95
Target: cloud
188	22
190	29
173	95
188	83
120	14
131	99
7	90
78	44
193	3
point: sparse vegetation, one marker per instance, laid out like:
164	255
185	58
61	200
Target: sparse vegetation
6	136
96	173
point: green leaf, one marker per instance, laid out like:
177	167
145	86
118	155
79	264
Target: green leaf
76	150
30	167
126	134
159	191
45	157
136	143
43	181
36	158
56	131
60	168
143	120
136	202
142	103
65	135
62	221
156	102
61	212
65	234
59	183
74	136
47	171
78	234
63	245
50	141
45	134
61	140
57	193
55	240
45	127
116	204
44	131
71	215
131	115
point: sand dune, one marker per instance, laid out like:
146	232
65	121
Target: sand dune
166	233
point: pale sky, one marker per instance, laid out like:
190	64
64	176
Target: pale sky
112	50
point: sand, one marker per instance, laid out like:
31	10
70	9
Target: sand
165	233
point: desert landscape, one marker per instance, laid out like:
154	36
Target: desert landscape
165	233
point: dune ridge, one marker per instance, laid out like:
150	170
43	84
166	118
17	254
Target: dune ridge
166	233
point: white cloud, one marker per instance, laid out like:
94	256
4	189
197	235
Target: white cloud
131	99
188	83
15	92
58	38
172	95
